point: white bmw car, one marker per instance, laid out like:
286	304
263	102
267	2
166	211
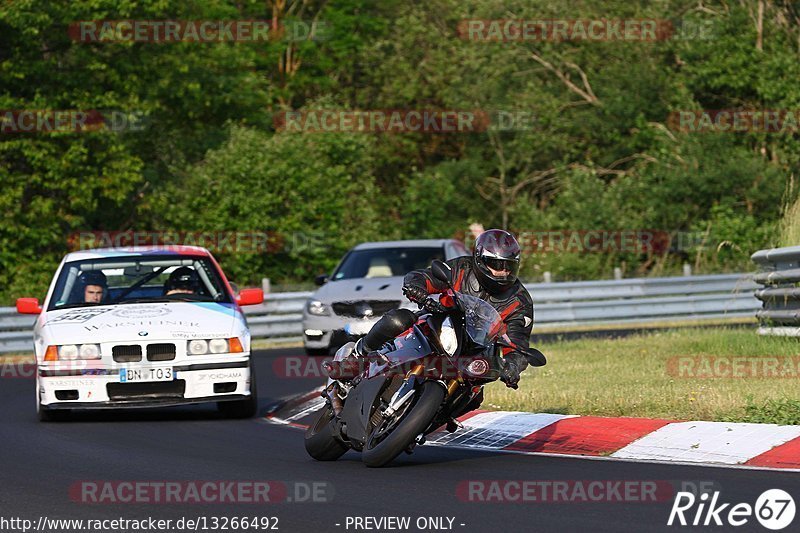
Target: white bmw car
142	327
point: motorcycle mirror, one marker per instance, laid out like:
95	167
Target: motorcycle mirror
442	271
535	357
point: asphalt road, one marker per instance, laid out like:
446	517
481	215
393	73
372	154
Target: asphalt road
42	464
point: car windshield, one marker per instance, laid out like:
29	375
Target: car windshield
482	320
137	279
385	262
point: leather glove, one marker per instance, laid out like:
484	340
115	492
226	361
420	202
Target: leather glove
433	305
415	294
510	374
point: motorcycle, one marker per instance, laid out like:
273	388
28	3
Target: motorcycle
415	384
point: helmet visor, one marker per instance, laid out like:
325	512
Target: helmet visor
502	268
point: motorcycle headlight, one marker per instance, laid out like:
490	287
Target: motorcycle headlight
89	351
315	307
198	347
448	338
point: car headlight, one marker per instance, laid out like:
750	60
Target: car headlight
68	352
215	346
218	345
315	307
448	338
89	351
198	347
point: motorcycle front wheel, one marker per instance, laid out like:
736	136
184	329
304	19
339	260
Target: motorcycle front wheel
321	442
386	443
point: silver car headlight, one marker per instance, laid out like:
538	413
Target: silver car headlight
448	337
315	307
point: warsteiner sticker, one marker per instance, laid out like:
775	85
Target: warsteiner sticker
139	323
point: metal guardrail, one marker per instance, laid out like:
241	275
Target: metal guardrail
578	303
780	274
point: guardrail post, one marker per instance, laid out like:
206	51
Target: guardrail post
617	273
548	277
265	285
780	274
687	269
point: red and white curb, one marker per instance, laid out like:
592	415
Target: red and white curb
762	446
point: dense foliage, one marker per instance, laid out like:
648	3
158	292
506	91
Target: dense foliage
600	152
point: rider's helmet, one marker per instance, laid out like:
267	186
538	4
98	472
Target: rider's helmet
496	259
93	277
183	278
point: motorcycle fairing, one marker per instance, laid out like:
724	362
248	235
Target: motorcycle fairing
359	407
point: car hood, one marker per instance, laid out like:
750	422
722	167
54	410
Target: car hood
347	290
143	322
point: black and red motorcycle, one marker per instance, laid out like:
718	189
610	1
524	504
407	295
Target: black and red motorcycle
418	382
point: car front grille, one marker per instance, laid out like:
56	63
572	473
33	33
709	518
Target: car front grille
154	390
363	309
127	353
161	352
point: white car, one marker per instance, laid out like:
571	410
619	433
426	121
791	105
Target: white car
366	284
142	327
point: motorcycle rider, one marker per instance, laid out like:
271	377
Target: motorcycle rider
489	274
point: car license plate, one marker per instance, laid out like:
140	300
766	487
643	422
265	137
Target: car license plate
131	375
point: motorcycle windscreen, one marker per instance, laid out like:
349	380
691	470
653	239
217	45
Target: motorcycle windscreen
413	345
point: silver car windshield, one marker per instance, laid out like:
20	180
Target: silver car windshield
385	262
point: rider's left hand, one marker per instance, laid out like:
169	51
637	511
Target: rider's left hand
510	375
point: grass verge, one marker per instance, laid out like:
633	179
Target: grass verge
640	376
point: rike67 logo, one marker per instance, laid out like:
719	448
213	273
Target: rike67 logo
774	509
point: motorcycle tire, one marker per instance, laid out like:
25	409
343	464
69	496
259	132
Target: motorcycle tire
414	422
320	440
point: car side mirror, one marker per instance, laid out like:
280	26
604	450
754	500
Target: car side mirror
250	297
321	280
442	271
28	306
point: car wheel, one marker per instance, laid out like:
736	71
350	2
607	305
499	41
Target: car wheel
246	408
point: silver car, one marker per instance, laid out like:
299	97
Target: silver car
366	284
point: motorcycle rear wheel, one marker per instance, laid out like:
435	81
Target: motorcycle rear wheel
320	440
414	422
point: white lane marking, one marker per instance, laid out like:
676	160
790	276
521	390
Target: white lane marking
496	429
708	442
